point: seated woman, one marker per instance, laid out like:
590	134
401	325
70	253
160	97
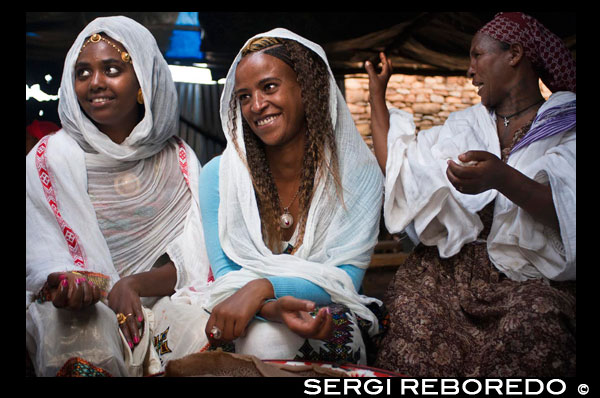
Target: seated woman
490	291
113	221
293	216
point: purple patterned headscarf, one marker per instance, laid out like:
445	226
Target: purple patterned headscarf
546	51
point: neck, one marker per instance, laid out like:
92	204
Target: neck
119	131
523	93
286	161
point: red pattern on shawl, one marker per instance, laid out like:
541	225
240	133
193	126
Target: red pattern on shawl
546	51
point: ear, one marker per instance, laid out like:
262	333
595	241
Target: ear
516	53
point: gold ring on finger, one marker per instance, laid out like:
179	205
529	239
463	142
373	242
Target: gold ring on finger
121	318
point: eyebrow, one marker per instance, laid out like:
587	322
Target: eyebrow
106	61
261	82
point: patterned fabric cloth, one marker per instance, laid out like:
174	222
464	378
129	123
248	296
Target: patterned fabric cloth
78	367
552	121
546	51
460	316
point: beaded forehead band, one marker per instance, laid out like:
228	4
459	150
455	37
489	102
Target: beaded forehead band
96	37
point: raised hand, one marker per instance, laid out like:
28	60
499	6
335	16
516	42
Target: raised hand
378	81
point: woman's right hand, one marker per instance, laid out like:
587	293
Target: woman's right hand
233	314
72	291
378	81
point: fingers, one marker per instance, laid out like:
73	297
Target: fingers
214	331
322	327
55	278
132	328
463	172
386	64
290	303
62	294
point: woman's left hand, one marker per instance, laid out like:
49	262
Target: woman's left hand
124	299
485	171
295	313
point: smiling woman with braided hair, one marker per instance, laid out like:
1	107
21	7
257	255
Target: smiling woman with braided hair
293	218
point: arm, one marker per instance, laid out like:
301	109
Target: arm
303	289
209	207
491	173
380	116
221	264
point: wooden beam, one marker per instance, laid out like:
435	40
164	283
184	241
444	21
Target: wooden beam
388	259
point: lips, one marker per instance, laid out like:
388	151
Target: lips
266	120
99	101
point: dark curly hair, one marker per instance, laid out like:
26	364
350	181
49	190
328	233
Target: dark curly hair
313	78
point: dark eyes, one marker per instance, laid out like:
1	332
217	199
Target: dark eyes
267	88
109	70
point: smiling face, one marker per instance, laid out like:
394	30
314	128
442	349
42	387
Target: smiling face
106	88
489	69
271	100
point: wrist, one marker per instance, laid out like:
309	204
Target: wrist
504	178
132	283
377	97
263	289
268	310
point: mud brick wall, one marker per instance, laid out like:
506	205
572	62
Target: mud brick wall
429	98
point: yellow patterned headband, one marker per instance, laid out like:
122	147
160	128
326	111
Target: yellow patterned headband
96	37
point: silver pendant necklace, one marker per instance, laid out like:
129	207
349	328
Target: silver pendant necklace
507	118
286	220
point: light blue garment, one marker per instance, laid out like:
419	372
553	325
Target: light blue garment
221	264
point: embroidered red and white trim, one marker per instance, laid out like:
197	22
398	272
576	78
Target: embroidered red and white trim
70	236
183	164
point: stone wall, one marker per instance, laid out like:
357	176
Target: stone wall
429	98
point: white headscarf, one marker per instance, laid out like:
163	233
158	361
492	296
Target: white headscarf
116	235
154	76
335	235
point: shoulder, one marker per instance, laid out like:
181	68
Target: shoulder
209	181
210	171
56	149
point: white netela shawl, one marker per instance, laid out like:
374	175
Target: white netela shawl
115	235
335	235
420	199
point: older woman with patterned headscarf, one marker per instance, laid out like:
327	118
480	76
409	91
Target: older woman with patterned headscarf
491	198
113	221
293	217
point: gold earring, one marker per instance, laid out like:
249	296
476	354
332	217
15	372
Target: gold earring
140	97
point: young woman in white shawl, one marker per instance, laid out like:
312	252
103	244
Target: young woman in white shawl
113	220
490	195
293	215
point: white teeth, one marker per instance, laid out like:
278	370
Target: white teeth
266	120
96	100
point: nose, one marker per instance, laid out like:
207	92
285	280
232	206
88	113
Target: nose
259	102
97	81
471	70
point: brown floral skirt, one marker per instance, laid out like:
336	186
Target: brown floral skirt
461	317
